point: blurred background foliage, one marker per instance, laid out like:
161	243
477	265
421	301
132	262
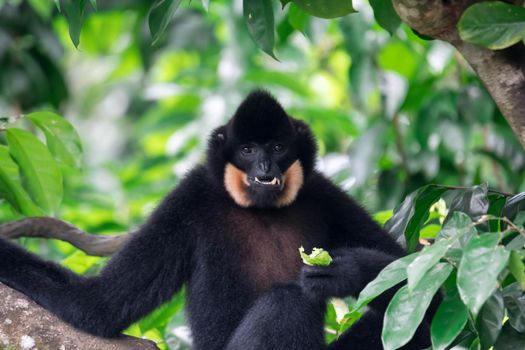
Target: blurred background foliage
391	113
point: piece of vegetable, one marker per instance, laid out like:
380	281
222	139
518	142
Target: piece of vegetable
318	257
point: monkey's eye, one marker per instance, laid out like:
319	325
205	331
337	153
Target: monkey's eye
278	148
246	150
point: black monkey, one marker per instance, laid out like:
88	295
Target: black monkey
231	231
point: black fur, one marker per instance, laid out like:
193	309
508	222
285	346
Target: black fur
246	285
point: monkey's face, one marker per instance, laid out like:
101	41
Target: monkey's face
264	174
262	154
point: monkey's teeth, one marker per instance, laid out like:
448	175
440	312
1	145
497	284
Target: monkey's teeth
274	181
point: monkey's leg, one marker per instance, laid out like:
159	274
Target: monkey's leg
282	319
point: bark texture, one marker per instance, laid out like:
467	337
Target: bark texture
24	325
502	71
44	227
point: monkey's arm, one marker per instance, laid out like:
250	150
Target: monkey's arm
359	246
146	272
349	272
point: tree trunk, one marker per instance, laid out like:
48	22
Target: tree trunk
501	71
25	325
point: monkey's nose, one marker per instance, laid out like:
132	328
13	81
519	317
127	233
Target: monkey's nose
264	165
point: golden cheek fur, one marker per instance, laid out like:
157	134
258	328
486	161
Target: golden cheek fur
236	183
293	181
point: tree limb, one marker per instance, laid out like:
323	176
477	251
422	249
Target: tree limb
43	227
26	325
501	71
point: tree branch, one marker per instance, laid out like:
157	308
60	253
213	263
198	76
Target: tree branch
26	325
501	71
43	227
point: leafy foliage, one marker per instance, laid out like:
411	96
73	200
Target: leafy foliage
258	15
161	13
472	264
74	11
407	308
324	9
493	24
450	318
385	15
32	177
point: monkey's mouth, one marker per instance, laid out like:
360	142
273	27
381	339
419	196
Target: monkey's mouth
266	181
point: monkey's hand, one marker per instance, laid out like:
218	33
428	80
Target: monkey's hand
341	278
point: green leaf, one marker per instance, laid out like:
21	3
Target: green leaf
517	268
480	265
407	309
94	4
73	10
42	175
298	19
163	314
412	213
514	205
449	320
493	24
430	231
206	4
497	202
464	340
510	339
391	275
61	138
516	244
11	186
459	225
475	345
471	201
398	223
258	15
285	2
349	320
326	8
490	320
383	216
425	260
520	219
80	262
160	15
514	298
385	15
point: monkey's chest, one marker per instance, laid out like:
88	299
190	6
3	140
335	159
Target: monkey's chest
267	247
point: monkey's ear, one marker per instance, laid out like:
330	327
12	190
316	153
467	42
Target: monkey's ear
304	133
301	128
216	153
307	145
218	136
